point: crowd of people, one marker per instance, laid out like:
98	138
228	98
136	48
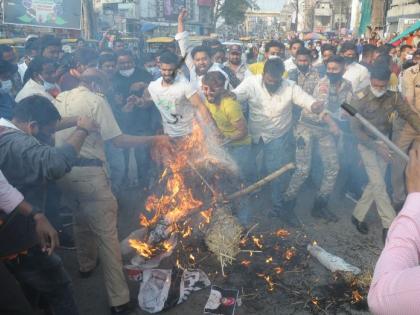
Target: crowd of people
69	122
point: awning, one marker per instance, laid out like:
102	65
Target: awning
407	32
147	27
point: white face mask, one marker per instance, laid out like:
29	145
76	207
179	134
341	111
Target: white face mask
127	73
376	92
6	86
49	86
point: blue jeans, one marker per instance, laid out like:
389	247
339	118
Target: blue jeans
116	166
276	154
45	275
241	155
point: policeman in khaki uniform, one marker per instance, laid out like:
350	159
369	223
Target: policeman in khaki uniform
407	135
87	189
377	105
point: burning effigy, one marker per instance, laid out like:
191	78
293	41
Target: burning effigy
190	221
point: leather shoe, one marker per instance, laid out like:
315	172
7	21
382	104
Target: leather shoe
123	309
362	227
384	235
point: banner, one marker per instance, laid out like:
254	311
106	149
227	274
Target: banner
43	13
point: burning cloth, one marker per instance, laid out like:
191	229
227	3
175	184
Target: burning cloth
162	289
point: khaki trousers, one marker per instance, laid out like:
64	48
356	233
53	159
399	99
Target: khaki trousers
375	191
95	227
404	140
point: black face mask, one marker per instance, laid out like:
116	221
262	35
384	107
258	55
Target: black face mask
303	68
334	77
348	60
272	88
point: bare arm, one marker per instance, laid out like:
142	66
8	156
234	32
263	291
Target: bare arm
241	130
202	110
67	122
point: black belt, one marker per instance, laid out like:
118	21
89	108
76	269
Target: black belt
82	162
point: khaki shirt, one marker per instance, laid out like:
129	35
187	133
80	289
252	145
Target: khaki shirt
379	112
411	87
82	102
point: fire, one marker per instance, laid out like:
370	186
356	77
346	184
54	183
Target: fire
267	279
356	297
257	242
192	258
187	232
269	260
143	249
246	263
278	270
290	253
178	200
315	301
206	215
282	233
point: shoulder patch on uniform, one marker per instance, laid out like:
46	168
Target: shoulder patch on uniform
360	94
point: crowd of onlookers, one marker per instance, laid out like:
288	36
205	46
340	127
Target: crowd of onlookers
72	125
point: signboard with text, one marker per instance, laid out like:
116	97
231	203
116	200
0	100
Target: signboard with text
43	13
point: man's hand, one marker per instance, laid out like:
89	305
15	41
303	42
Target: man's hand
412	171
384	151
182	15
87	123
47	235
317	107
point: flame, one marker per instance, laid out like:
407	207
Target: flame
246	263
290	253
278	270
187	232
315	301
192	258
257	242
142	248
178	201
282	233
356	297
269	260
267	279
206	215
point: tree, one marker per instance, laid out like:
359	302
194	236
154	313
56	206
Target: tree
232	11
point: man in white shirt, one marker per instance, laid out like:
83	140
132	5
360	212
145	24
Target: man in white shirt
197	59
271	100
294	46
175	98
357	74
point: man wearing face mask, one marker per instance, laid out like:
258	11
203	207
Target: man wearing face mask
327	51
39	79
334	90
271	100
376	104
357	74
8	54
294	46
272	49
6	101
